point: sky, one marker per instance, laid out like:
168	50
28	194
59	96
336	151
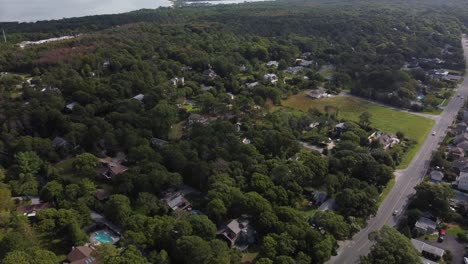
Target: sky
33	10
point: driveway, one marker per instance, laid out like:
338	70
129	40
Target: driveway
450	243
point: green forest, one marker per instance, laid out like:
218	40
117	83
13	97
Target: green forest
164	127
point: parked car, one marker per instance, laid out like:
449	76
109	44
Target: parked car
441	235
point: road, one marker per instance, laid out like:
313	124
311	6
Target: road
406	180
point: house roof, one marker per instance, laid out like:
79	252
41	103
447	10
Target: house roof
461	165
59	142
463	177
139	97
71	105
29	209
425	223
437	175
175	201
463	145
101	194
234	226
81	255
158	142
423	247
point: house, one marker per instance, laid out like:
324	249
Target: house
158	142
206	88
452	78
111	167
59	142
177	202
243	68
386	140
425	226
317	94
81	255
246	141
328	205
313	125
210	74
186	68
462	181
340	127
71	105
461	165
437	176
455	153
177	82
304	62
32	209
460	138
196	118
139	97
251	85
238	233
428	251
294	69
320	197
272	64
462	128
463	145
101	194
271	78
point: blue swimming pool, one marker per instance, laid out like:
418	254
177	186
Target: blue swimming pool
103	237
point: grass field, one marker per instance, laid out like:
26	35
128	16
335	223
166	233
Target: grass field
383	118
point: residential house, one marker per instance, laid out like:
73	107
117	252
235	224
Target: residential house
428	251
210	74
196	118
101	194
186	68
177	82
111	167
437	176
139	97
231	96
462	181
294	69
59	142
320	197
304	63
176	202
461	165
206	88
462	128
243	68
452	78
251	85
386	140
158	142
71	105
272	64
328	205
340	127
455	153
460	138
317	94
463	145
246	141
238	233
271	78
32	209
81	255
438	74
425	226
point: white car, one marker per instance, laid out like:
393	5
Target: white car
433	133
395	213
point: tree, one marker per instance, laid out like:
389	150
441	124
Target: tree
150	205
51	191
5	198
28	162
195	250
85	164
216	209
391	247
202	226
268	247
430	196
365	119
332	223
118	208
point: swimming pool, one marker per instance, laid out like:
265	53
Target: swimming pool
103	237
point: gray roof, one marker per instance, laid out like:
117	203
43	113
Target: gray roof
234	226
425	223
437	175
423	247
174	202
59	142
139	97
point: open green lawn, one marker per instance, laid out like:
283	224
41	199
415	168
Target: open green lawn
454	230
383	118
176	131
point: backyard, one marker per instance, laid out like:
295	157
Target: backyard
383	118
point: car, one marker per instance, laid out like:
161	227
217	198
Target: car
395	213
441	236
458	95
433	133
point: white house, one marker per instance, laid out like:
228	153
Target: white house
271	78
272	64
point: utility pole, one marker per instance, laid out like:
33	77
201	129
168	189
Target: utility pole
4	35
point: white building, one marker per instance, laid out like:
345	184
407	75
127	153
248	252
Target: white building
271	78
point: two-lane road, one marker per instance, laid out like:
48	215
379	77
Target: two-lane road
406	180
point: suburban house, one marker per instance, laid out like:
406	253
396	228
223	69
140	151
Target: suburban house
59	142
303	62
460	138
455	153
386	140
158	142
437	176
425	226
272	64
196	118
177	202
328	205
317	94
32	209
461	165
428	251
71	105
251	85
271	78
81	255
206	88
246	141
320	197
101	194
340	127
210	74
177	82
462	181
238	233
139	97
463	145
111	167
462	128
294	69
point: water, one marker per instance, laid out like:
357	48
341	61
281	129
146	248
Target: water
34	10
103	237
